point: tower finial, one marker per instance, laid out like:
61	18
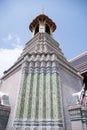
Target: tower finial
42	9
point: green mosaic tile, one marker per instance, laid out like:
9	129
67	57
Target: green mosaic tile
30	98
37	99
48	105
54	96
40	97
21	96
34	87
44	98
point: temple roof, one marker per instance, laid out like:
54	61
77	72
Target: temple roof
80	62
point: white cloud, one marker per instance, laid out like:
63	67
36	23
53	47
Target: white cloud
12	39
8	38
8	57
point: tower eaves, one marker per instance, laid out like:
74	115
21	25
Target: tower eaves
42	23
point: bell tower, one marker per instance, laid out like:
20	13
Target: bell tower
39	104
42	24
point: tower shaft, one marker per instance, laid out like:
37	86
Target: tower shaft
39	102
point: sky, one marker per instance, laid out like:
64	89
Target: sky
70	17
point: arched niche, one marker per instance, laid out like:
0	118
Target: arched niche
36	29
47	29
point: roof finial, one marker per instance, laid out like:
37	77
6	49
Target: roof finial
42	9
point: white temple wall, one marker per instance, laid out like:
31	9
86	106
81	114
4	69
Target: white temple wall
70	83
10	86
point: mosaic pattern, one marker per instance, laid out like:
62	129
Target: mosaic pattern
39	102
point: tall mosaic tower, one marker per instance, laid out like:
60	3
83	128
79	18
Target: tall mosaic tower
39	102
40	83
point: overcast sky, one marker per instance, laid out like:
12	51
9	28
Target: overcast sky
70	17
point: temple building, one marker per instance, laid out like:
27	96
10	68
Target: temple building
80	63
78	105
41	83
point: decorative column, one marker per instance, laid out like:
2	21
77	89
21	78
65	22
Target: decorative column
21	96
54	92
30	96
42	72
27	97
40	94
48	91
34	91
